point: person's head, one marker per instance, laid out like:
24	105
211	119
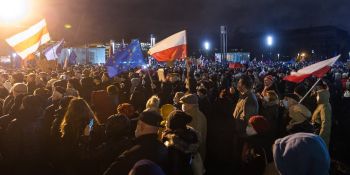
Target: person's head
17	78
290	100
57	93
178	120
76	118
300	90
112	90
301	153
201	92
189	102
126	109
153	103
245	84
271	96
166	109
19	88
257	125
31	77
32	103
117	126
4	77
105	77
268	80
177	97
146	167
149	123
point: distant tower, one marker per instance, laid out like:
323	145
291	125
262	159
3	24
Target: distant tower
153	40
223	43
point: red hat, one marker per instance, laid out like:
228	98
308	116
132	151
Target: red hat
270	78
259	123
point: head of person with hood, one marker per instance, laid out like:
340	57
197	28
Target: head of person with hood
117	126
302	154
298	113
146	167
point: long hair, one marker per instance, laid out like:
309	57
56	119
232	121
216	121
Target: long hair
77	116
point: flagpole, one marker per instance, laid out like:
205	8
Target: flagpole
313	86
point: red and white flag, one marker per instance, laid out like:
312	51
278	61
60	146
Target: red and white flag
317	69
171	48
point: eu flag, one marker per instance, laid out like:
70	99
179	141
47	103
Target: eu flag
125	59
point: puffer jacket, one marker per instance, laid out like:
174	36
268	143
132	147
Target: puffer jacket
322	116
182	146
299	118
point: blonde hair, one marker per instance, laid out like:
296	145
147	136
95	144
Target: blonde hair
153	103
272	95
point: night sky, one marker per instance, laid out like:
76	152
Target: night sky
101	20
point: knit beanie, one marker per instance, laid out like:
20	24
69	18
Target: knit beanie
259	123
302	154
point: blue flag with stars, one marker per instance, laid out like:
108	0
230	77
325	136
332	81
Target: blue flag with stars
125	59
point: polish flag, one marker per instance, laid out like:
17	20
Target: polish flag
171	48
317	69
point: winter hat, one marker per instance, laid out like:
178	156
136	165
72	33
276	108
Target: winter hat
269	78
117	125
259	123
189	99
302	154
178	120
151	118
146	167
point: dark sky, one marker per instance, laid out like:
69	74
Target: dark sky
101	20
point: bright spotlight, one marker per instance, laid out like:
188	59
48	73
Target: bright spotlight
14	55
11	10
269	40
206	45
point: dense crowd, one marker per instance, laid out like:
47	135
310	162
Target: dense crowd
202	119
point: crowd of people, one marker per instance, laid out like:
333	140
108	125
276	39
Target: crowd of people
202	119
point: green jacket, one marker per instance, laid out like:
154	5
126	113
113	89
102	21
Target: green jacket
323	115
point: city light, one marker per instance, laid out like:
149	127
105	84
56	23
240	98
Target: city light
206	45
12	10
269	40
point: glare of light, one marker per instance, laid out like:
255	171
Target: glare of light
145	66
14	55
303	54
12	10
67	26
269	40
206	45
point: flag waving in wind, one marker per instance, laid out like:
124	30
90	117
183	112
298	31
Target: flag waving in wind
54	51
30	40
171	48
125	59
318	69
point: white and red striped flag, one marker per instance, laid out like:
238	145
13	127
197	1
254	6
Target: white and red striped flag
171	48
318	69
28	41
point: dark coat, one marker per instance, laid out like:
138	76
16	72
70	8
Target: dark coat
145	147
25	144
138	99
182	144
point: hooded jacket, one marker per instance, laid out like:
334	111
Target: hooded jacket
298	114
322	116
